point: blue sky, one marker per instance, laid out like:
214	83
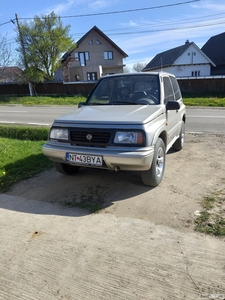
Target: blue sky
141	33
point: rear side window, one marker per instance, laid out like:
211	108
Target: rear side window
168	90
176	88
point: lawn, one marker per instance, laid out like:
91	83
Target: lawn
74	100
21	154
42	100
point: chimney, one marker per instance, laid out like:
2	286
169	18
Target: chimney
187	42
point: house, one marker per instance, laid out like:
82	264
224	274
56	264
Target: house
10	74
184	61
214	48
95	55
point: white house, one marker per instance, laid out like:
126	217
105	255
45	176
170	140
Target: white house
187	60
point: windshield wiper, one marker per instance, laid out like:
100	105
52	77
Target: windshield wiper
123	102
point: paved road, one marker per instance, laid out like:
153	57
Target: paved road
210	120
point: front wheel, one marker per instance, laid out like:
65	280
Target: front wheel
154	175
66	169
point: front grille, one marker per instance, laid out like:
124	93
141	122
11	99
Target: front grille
80	137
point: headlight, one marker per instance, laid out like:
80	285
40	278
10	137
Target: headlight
129	137
59	134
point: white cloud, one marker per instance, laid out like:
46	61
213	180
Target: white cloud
210	5
97	4
60	8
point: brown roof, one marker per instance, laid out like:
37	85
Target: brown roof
10	73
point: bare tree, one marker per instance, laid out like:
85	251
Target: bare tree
126	69
138	67
5	54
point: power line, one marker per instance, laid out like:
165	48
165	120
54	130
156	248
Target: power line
170	29
5	23
123	11
113	12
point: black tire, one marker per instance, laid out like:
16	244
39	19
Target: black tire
66	169
154	175
179	144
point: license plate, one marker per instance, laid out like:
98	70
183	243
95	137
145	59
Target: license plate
90	160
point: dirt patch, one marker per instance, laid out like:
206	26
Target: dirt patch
190	175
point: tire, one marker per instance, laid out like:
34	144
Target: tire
179	144
154	175
66	169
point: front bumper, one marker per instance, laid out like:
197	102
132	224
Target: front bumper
114	159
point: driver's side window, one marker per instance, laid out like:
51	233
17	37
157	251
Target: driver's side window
168	90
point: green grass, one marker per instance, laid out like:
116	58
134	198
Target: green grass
205	101
212	217
74	100
21	157
42	100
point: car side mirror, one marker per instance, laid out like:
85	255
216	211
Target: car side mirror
81	104
172	105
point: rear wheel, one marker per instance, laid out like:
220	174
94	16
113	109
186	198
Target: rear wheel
66	169
179	144
154	175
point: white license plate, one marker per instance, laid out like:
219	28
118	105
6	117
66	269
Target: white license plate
90	160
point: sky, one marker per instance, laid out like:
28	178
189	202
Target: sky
142	29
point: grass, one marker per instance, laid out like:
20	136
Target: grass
212	217
205	101
92	199
74	100
21	157
42	100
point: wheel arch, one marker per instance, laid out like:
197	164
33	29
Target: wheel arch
160	134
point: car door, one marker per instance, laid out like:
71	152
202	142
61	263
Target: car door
172	115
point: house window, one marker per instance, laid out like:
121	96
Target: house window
108	55
76	54
82	57
91	76
97	42
91	42
195	73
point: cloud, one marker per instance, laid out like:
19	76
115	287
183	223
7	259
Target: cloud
155	42
97	4
210	5
60	8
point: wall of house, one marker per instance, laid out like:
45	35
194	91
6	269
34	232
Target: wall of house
192	56
186	71
96	56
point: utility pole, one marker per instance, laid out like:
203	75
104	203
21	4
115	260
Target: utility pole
24	52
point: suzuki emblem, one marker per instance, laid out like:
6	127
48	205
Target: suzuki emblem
89	136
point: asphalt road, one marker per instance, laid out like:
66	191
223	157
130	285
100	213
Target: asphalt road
211	120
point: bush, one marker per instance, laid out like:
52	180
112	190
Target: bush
24	132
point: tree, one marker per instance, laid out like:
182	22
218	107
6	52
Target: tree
139	66
41	45
126	69
5	54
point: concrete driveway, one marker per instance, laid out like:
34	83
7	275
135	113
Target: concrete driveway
140	246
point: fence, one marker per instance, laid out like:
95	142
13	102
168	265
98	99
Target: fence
51	88
191	86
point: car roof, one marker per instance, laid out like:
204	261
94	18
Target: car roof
138	74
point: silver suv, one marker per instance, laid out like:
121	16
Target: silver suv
128	123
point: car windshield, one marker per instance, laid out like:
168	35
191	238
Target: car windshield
126	90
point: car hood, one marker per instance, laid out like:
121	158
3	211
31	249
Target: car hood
113	114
